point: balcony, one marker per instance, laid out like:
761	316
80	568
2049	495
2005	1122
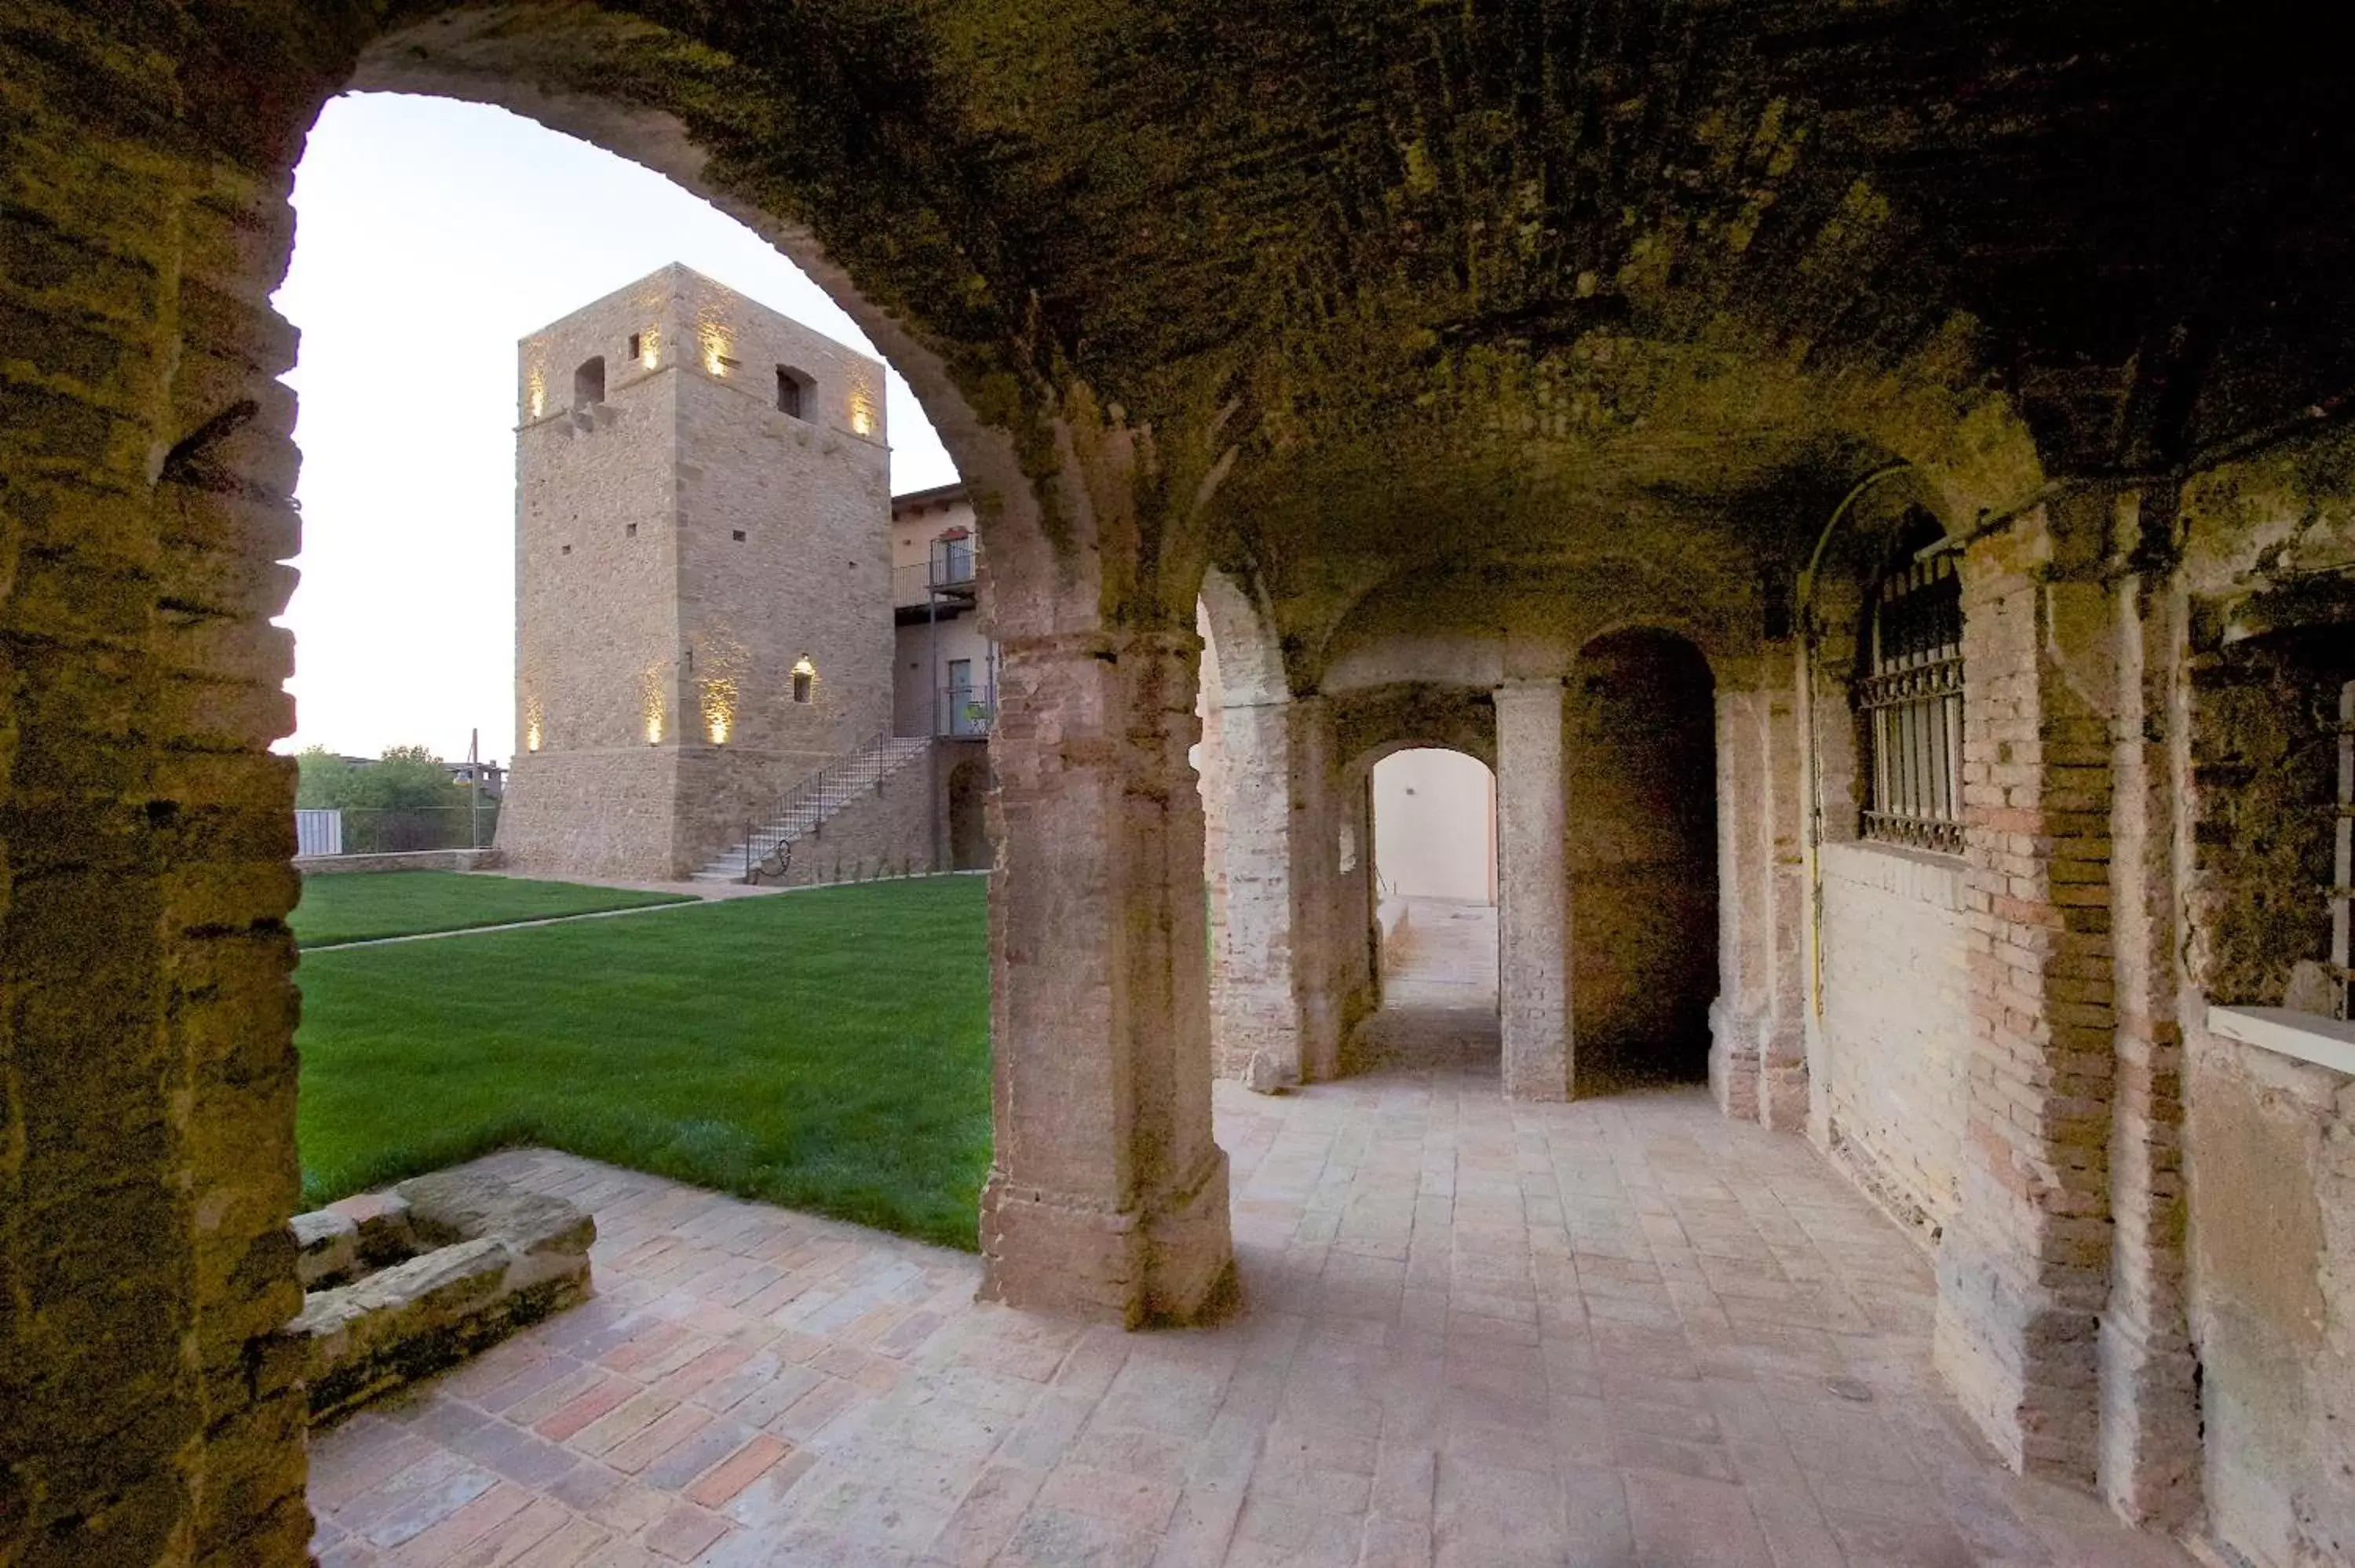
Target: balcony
963	713
949	575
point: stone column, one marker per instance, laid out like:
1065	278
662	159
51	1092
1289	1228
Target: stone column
2023	1272
150	1410
2151	1419
1255	1024
1783	1087
1533	890
1275	1010
1318	988
1106	1198
1735	1018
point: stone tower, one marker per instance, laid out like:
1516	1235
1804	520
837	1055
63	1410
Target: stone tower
703	602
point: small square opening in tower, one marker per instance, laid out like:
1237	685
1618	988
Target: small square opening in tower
737	534
629	530
636	346
794	388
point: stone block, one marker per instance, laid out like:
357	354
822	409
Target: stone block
496	1259
328	1247
382	1219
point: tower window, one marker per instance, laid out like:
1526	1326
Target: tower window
588	382
629	530
794	389
737	534
1910	697
635	353
566	550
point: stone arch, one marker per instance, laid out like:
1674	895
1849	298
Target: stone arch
1489	622
588	382
169	213
1239	634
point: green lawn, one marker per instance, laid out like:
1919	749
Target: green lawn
827	1050
354	907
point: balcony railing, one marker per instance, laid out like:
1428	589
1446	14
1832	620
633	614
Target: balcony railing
949	573
964	712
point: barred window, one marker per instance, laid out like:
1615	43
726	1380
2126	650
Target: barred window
1909	699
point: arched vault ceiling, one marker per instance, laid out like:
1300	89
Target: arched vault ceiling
1381	271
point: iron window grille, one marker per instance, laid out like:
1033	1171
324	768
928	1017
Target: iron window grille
1910	701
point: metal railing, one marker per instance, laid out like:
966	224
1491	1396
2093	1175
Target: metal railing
355	829
964	712
803	809
951	574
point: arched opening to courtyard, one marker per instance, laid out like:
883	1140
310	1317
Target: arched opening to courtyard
1435	844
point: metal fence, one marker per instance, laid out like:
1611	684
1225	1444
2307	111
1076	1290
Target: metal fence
367	831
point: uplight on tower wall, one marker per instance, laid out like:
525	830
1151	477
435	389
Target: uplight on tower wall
650	348
650	699
719	709
531	725
862	411
536	386
714	343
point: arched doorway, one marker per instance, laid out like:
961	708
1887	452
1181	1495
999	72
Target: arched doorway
1643	861
1434	842
968	823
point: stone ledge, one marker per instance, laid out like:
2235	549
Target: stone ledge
1891	868
496	1259
2308	1036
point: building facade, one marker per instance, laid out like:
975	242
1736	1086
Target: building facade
703	582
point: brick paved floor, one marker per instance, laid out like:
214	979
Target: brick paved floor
1619	1332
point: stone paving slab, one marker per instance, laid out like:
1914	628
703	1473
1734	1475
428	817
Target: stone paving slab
1621	1332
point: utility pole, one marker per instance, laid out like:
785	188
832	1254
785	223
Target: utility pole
474	789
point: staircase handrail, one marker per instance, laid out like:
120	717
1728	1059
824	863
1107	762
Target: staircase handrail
802	807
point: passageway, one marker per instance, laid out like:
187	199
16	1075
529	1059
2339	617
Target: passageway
1474	1332
1439	996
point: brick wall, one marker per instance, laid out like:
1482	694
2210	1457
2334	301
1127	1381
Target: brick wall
147	1069
1894	1053
2269	1140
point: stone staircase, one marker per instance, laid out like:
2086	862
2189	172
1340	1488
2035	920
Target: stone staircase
806	808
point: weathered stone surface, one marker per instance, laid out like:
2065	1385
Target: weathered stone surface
494	1257
329	1245
382	1220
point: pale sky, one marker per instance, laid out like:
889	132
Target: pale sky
431	235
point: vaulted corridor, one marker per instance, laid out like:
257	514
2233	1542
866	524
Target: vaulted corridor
1615	1333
